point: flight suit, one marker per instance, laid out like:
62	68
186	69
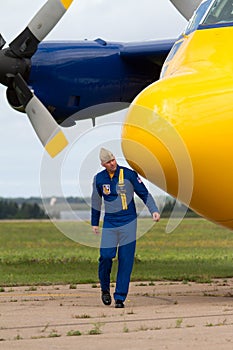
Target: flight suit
119	224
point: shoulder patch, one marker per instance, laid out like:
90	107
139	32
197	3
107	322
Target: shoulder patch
139	179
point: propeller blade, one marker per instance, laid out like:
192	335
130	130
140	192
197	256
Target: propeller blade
47	129
2	41
25	45
186	7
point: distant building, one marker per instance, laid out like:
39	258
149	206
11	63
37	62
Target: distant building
75	215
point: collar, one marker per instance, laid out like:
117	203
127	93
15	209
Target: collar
116	174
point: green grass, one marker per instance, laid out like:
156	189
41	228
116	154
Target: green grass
33	253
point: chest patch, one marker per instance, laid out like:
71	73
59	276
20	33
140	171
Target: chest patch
106	189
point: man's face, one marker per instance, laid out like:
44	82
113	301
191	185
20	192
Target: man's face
111	165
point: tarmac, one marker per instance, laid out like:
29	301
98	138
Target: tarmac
159	315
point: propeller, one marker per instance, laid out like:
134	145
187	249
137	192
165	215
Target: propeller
15	64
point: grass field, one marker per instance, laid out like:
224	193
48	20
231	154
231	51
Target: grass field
33	253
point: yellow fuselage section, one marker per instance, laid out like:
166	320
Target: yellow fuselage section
179	131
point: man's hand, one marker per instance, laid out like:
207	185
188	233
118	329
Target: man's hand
156	216
95	230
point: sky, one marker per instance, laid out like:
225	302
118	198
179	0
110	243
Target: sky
24	164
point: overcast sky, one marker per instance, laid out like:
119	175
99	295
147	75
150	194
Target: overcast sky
21	154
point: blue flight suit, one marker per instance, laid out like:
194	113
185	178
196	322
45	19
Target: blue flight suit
119	226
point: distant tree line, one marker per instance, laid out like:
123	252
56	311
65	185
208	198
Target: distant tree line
32	208
180	209
12	210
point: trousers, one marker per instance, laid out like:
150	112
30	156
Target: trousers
121	240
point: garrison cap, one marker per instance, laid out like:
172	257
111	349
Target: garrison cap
105	155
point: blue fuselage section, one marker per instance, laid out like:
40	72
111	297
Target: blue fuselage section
69	77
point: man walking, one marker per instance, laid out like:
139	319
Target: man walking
116	185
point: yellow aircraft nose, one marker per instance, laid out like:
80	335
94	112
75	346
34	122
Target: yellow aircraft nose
178	134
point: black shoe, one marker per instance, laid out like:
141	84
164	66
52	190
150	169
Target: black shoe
119	304
106	298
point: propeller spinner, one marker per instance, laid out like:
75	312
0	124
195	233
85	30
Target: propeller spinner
15	64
